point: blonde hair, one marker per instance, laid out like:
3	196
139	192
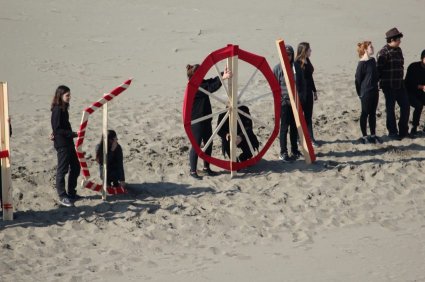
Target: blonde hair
362	47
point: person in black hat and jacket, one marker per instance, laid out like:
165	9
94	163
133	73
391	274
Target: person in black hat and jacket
287	120
415	85
390	65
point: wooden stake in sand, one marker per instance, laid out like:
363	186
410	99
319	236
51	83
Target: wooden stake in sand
232	64
105	151
6	175
303	134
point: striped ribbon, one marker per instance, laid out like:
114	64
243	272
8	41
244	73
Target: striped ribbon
81	134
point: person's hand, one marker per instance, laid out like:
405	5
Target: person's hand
52	137
227	73
227	136
238	140
315	96
421	87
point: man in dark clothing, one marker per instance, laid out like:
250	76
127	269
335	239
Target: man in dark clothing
390	67
415	85
287	117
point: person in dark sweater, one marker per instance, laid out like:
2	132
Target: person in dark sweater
390	65
415	85
241	141
115	163
202	131
310	93
62	137
287	120
366	81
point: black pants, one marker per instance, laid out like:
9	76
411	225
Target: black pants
287	121
391	97
369	104
307	104
202	132
67	162
246	152
417	102
114	176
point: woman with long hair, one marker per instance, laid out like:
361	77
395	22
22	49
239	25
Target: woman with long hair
64	144
366	81
303	59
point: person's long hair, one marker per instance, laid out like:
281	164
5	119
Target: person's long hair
99	148
362	47
301	57
190	70
58	98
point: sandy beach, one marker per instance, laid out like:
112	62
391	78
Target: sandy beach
356	214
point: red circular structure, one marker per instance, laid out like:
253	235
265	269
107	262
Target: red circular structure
192	88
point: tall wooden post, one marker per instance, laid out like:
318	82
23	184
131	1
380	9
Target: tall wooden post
297	110
232	64
105	150
6	175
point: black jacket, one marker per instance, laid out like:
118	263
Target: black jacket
300	83
415	76
61	127
115	163
202	104
366	78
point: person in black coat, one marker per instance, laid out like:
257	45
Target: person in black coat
241	141
62	137
115	163
310	93
202	131
415	85
366	81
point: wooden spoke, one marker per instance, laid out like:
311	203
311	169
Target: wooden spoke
195	121
246	136
255	98
222	82
220	125
255	120
246	85
213	96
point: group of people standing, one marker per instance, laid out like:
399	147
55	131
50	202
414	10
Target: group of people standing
387	73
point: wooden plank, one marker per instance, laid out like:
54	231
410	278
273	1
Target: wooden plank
105	151
232	64
303	134
6	174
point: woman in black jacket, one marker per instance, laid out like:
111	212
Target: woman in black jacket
64	145
310	93
115	164
366	81
202	131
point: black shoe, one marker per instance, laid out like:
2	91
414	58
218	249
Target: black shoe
394	136
75	197
65	202
195	175
363	140
285	158
209	172
371	139
296	154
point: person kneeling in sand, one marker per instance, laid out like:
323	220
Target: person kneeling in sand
115	163
241	141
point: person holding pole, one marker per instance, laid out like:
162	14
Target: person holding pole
415	85
366	81
202	131
115	163
64	144
287	120
310	93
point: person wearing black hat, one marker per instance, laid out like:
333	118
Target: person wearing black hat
390	65
287	120
415	85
